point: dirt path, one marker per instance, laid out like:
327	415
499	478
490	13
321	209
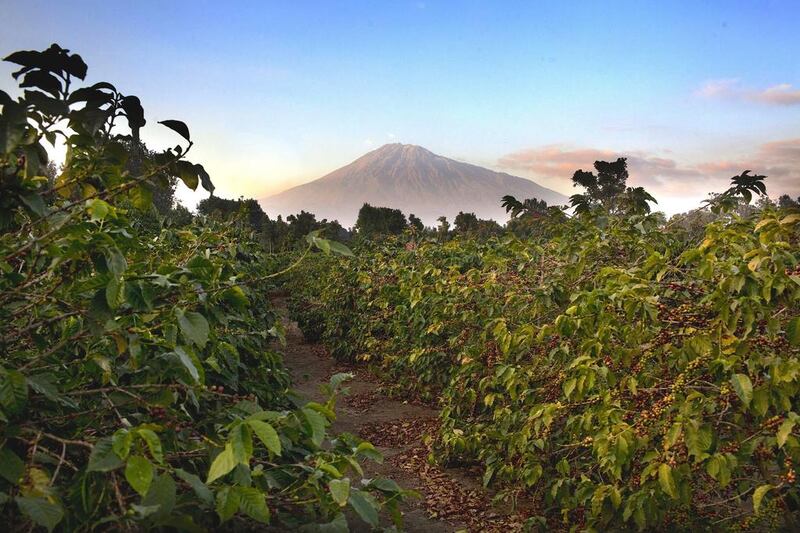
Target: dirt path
452	500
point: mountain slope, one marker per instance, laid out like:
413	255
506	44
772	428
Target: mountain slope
409	178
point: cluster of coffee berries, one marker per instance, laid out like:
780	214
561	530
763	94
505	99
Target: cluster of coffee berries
492	354
772	423
763	453
658	408
158	412
793	271
731	447
726	394
176	425
219	389
789	477
696	363
643	360
764	342
678	384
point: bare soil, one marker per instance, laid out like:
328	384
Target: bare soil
451	500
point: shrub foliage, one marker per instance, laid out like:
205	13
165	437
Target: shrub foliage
140	386
610	373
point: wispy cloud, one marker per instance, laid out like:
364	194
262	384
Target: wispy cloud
778	160
718	88
783	94
666	176
650	170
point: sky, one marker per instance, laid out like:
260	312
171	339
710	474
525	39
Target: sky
280	93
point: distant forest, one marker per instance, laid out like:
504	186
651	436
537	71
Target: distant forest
375	222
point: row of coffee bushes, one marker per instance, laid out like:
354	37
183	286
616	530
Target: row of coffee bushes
614	375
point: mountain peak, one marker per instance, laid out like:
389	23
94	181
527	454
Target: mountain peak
400	147
411	178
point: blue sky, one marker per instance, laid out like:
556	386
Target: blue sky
278	93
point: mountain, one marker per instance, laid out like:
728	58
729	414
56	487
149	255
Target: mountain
412	179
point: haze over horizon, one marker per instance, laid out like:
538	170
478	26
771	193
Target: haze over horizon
281	94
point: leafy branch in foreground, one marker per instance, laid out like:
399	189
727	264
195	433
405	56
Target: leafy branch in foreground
139	383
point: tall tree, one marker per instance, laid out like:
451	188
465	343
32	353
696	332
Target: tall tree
443	229
528	207
224	208
415	223
608	190
470	224
373	221
785	201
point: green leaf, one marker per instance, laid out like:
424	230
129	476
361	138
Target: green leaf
235	297
194	326
139	473
389	485
187	362
253	503
340	249
339	378
793	331
141	196
227	503
761	400
317	424
672	435
698	439
116	262
187	173
178	127
758	496
267	434
199	488
724	475
34	202
569	386
365	506
205	179
41	511
45	384
97	209
11	466
366	449
784	431
322	244
13	390
242	442
162	493
121	443
743	387
132	107
340	490
103	458
115	292
201	267
666	481
223	463
153	443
